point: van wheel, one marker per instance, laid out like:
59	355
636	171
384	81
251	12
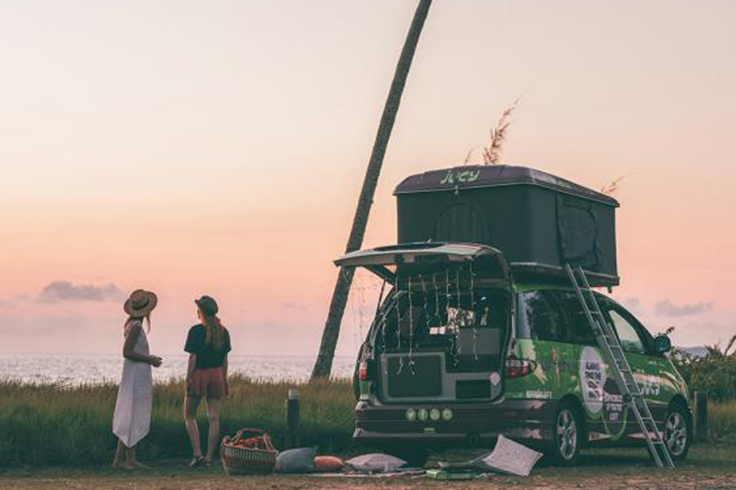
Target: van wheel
567	433
678	432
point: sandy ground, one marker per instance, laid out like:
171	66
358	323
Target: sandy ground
711	468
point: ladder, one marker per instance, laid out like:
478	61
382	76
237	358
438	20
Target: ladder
609	343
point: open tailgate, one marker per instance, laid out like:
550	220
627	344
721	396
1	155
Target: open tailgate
425	258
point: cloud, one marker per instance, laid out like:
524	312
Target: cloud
41	327
6	304
67	291
667	308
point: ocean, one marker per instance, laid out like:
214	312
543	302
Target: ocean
100	368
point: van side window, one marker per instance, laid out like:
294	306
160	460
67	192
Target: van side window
581	331
540	318
627	333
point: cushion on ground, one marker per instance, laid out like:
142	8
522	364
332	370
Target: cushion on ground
296	460
376	462
328	464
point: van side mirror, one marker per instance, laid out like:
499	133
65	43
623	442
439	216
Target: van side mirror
662	344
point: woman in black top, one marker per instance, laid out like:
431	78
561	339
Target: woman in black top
208	344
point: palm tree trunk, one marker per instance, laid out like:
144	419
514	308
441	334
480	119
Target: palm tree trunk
323	366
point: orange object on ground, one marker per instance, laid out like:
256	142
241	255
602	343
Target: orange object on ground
328	464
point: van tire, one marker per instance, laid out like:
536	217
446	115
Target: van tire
678	431
567	435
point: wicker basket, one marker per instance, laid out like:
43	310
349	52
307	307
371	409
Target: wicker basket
248	461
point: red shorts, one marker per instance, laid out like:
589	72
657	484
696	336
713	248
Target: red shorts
209	383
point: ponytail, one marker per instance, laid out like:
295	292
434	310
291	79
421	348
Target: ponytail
214	331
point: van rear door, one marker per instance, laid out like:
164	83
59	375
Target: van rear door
397	262
440	337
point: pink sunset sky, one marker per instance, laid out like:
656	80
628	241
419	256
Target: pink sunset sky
195	147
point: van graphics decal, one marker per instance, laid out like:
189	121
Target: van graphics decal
460	177
649	385
613	408
592	380
539	394
601	395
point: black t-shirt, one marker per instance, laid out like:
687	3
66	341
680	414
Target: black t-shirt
207	356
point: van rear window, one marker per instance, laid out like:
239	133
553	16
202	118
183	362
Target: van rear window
469	328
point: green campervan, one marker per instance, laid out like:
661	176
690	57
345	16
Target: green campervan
482	334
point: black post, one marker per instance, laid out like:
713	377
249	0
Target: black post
292	419
701	416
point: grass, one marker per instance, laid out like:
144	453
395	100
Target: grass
722	421
43	424
57	425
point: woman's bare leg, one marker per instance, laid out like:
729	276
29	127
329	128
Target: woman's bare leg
135	462
191	403
119	455
130	458
213	416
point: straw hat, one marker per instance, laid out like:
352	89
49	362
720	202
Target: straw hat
140	303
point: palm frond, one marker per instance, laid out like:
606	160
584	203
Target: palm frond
613	186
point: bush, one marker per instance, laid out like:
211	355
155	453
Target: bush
715	373
722	421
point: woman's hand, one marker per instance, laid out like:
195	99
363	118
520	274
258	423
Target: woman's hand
155	361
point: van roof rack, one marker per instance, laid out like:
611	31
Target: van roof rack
536	272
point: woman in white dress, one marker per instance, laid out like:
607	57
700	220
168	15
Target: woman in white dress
132	418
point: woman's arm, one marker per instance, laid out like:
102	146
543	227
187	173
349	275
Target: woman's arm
131	338
191	367
224	366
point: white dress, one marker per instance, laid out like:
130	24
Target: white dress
132	418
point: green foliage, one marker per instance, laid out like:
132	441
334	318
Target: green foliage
715	373
46	424
722	421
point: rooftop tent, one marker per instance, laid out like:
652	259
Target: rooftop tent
537	220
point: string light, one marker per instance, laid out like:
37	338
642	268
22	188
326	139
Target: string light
453	338
411	329
424	297
398	325
436	297
384	316
472	312
458	316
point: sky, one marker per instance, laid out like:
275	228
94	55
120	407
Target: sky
193	147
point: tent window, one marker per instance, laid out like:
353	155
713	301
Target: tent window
460	223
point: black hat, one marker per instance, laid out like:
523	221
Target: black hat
207	305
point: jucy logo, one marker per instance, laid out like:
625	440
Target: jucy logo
460	177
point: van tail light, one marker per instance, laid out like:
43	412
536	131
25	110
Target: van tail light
366	371
516	368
